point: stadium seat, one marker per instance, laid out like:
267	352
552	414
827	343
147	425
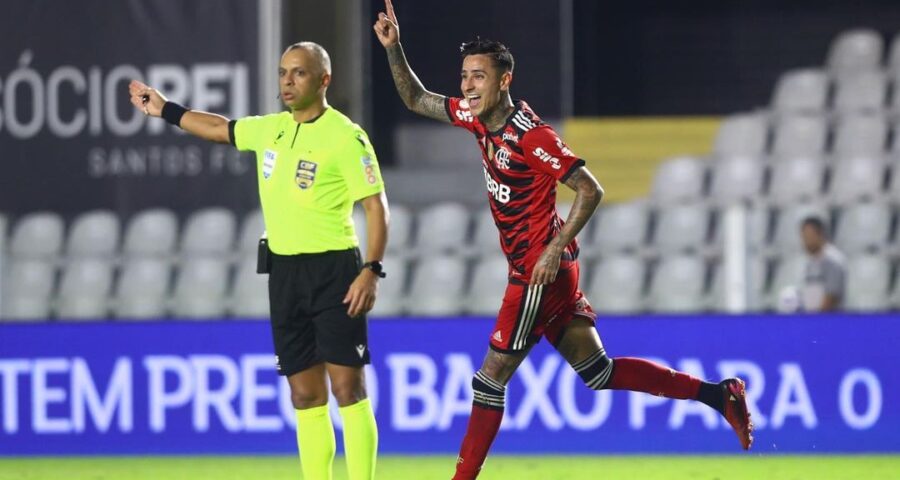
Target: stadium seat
736	180
680	229
250	294
200	288
856	178
864	91
787	279
252	228
741	135
868	280
563	207
860	135
442	228
485	238
800	135
391	300
399	230
620	227
94	234
863	227
151	233
142	289
786	239
617	285
37	235
488	285
437	286
677	180
801	91
755	290
27	287
798	179
855	50
85	289
678	285
209	231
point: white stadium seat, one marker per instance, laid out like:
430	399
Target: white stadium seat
488	286
151	233
801	91
142	289
437	286
209	231
617	285
855	50
678	179
200	288
741	135
94	234
677	285
37	235
800	135
85	290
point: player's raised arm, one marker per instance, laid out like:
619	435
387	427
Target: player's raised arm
207	126
411	90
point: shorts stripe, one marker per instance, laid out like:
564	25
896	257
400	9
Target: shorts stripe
526	321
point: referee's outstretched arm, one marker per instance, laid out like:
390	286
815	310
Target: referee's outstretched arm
207	126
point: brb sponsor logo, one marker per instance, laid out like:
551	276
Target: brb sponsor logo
499	191
546	157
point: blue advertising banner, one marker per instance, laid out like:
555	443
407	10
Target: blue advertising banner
815	384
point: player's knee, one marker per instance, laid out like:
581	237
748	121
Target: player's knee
348	392
595	370
308	398
488	393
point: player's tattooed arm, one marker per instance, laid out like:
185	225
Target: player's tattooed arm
411	90
588	193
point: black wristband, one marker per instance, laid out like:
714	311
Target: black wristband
376	267
172	113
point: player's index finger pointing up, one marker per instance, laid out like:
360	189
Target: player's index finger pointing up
390	10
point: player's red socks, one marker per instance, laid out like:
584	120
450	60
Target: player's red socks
487	413
641	375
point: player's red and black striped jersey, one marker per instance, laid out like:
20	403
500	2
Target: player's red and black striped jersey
522	162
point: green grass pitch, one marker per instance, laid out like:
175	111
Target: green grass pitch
499	467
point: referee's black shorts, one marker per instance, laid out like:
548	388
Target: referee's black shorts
310	324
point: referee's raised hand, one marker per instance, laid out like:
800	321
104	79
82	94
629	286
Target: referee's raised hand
146	99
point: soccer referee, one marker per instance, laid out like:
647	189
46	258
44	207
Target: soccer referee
313	163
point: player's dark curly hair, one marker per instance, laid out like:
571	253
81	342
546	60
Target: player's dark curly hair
503	58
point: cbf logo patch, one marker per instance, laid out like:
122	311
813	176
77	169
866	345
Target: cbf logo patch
268	163
369	169
306	174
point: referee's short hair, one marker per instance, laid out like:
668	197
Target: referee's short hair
317	51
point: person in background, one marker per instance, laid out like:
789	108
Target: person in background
824	276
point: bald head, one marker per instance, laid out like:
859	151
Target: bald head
317	52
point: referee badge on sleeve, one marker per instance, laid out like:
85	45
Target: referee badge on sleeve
306	174
268	165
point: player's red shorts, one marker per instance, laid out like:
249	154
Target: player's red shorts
529	312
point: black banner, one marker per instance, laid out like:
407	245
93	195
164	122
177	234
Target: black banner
69	138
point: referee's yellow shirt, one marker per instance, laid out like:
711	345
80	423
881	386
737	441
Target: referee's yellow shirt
309	175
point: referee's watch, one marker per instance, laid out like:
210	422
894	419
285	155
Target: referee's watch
376	267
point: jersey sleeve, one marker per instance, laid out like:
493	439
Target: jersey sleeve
359	167
459	113
546	152
247	133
